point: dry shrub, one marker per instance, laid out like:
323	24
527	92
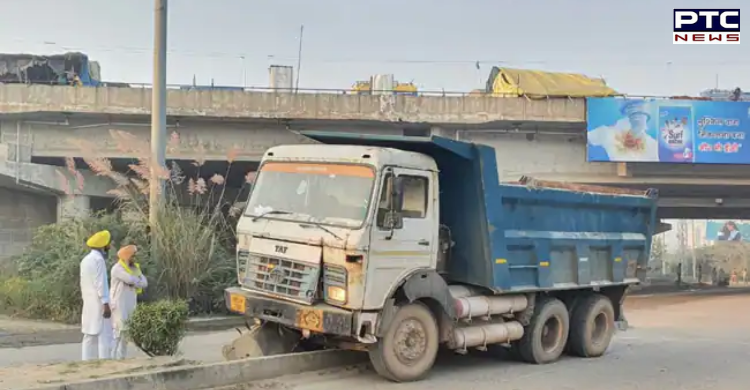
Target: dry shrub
194	248
726	255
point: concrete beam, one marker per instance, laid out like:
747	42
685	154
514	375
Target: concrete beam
703	213
725	203
21	98
197	139
53	179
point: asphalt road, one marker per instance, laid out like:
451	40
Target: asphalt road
677	342
205	347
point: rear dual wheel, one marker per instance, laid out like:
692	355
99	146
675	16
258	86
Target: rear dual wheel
586	331
592	327
545	337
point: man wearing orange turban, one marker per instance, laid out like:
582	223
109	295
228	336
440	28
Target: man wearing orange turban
127	283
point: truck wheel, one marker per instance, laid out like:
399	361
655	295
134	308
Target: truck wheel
592	327
408	350
545	337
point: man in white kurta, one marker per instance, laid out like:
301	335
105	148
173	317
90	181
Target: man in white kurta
95	316
127	283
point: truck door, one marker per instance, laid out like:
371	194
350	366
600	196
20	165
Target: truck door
412	245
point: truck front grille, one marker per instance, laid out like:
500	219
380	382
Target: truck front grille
289	278
242	258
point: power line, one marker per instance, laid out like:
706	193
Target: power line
404	61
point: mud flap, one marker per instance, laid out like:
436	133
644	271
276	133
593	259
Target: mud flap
622	325
261	340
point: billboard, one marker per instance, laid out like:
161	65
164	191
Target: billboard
670	131
727	231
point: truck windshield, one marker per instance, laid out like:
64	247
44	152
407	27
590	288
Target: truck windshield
330	194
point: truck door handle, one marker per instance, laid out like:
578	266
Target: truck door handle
423	242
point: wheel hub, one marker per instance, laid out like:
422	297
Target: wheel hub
600	328
551	334
411	341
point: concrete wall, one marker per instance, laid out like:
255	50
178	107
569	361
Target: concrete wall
563	158
15	163
20	213
209	140
18	98
545	157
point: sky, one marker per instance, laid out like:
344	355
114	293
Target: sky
434	43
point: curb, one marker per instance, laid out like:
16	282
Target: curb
219	374
73	336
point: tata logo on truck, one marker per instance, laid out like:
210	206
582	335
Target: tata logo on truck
706	27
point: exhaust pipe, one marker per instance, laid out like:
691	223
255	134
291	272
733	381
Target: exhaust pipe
481	306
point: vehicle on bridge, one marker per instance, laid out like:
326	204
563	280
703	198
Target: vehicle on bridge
59	69
400	245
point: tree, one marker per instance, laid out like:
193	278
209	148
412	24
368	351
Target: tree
658	252
725	255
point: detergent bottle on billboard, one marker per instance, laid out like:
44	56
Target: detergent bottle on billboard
676	134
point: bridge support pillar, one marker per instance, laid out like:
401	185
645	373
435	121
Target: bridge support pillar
73	206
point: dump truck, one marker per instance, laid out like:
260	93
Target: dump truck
399	246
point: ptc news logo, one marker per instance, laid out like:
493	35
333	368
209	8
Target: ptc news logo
706	27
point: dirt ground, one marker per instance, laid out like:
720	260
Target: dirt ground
29	376
677	342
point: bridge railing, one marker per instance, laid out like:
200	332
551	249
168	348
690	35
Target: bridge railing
333	91
343	91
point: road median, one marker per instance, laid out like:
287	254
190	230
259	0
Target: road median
206	376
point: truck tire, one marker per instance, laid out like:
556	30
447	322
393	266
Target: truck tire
408	349
545	337
592	327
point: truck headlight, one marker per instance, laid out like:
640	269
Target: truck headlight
334	283
335	293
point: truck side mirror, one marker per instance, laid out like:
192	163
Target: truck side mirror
393	218
397	194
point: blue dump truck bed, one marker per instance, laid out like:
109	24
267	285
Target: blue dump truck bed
530	235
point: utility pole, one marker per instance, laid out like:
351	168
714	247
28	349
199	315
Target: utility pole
158	113
299	58
683	240
244	72
695	246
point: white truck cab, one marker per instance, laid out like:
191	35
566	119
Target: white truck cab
323	210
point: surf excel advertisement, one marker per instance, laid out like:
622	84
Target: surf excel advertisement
669	131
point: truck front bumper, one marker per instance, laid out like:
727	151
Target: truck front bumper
318	318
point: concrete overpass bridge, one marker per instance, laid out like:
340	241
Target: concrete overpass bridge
41	125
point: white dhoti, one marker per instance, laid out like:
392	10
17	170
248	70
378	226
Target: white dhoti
120	345
124	295
98	346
